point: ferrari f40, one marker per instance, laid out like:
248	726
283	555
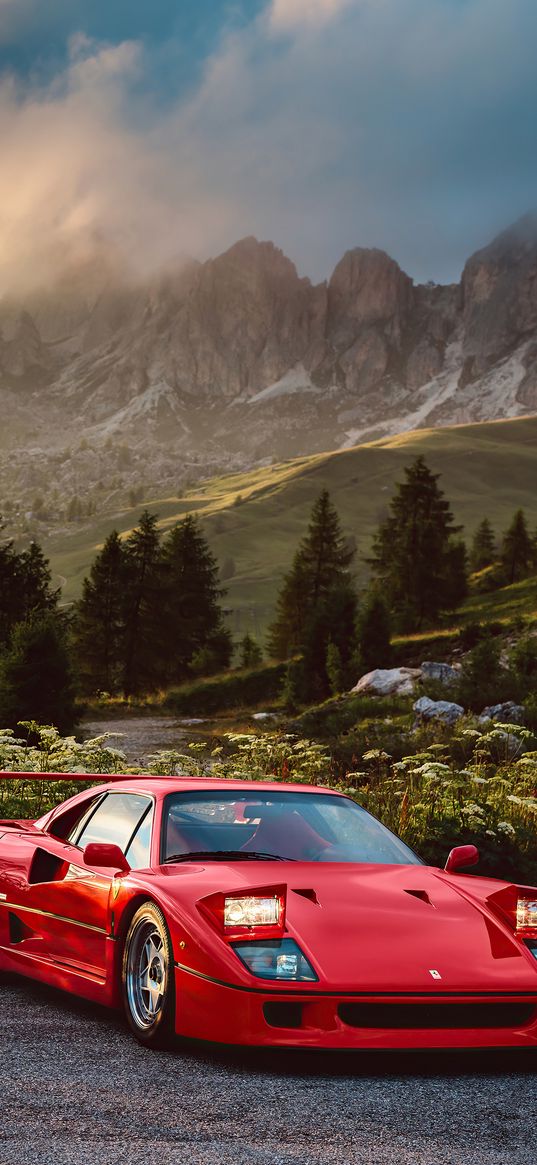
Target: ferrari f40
263	913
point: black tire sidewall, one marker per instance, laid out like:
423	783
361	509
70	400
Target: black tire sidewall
161	1033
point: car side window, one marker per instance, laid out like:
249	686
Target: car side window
138	853
116	819
66	825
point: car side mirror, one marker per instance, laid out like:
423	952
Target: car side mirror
461	856
104	853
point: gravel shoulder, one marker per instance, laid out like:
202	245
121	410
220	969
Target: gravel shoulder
77	1090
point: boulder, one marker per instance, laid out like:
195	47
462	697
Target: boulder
388	681
443	710
507	713
443	673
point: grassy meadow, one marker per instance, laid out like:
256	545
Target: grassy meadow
256	518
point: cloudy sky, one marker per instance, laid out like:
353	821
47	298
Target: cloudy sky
175	127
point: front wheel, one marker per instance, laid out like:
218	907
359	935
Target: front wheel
147	978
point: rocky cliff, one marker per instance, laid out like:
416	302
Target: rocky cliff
238	360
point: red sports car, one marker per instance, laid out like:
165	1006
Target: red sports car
267	914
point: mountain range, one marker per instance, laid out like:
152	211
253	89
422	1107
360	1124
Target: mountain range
107	380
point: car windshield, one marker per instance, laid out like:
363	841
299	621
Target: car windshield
311	827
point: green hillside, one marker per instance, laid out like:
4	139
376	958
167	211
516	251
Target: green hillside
257	518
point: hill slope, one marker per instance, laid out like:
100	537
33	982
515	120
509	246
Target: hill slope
256	519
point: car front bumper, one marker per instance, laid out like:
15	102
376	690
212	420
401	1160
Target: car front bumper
223	1013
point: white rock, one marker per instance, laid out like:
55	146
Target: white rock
388	681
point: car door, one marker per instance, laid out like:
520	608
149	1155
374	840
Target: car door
32	864
70	901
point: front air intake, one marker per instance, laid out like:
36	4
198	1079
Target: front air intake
283	1014
437	1015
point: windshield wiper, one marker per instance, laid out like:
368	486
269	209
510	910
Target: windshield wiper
235	854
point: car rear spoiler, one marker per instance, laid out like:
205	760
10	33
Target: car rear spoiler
101	778
96	778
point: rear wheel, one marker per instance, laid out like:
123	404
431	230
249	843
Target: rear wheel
148	978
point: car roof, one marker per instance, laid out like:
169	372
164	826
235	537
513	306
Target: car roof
160	786
163	785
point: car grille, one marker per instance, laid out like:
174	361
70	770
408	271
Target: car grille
437	1015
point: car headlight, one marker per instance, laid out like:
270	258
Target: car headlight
526	916
279	959
253	910
257	914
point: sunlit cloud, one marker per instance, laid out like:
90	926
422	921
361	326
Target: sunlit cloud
405	124
289	13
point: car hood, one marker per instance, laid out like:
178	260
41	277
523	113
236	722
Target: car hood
408	928
373	928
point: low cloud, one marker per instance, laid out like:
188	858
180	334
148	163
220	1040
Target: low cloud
407	124
78	172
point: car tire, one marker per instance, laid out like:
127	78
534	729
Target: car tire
147	978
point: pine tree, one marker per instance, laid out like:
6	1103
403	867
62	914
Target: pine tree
317	602
250	654
286	635
25	586
8	588
293	685
99	628
483	552
319	566
142	666
324	551
35	676
191	615
332	621
374	633
411	549
334	668
517	554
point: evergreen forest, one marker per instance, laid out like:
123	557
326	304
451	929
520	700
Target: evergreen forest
152	616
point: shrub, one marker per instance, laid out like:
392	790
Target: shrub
231	690
329	720
466	788
36	680
483	679
474	632
434	804
523	663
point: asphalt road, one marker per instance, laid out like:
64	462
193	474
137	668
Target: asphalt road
77	1090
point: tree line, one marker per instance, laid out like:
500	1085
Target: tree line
35	667
150	612
419	568
151	616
